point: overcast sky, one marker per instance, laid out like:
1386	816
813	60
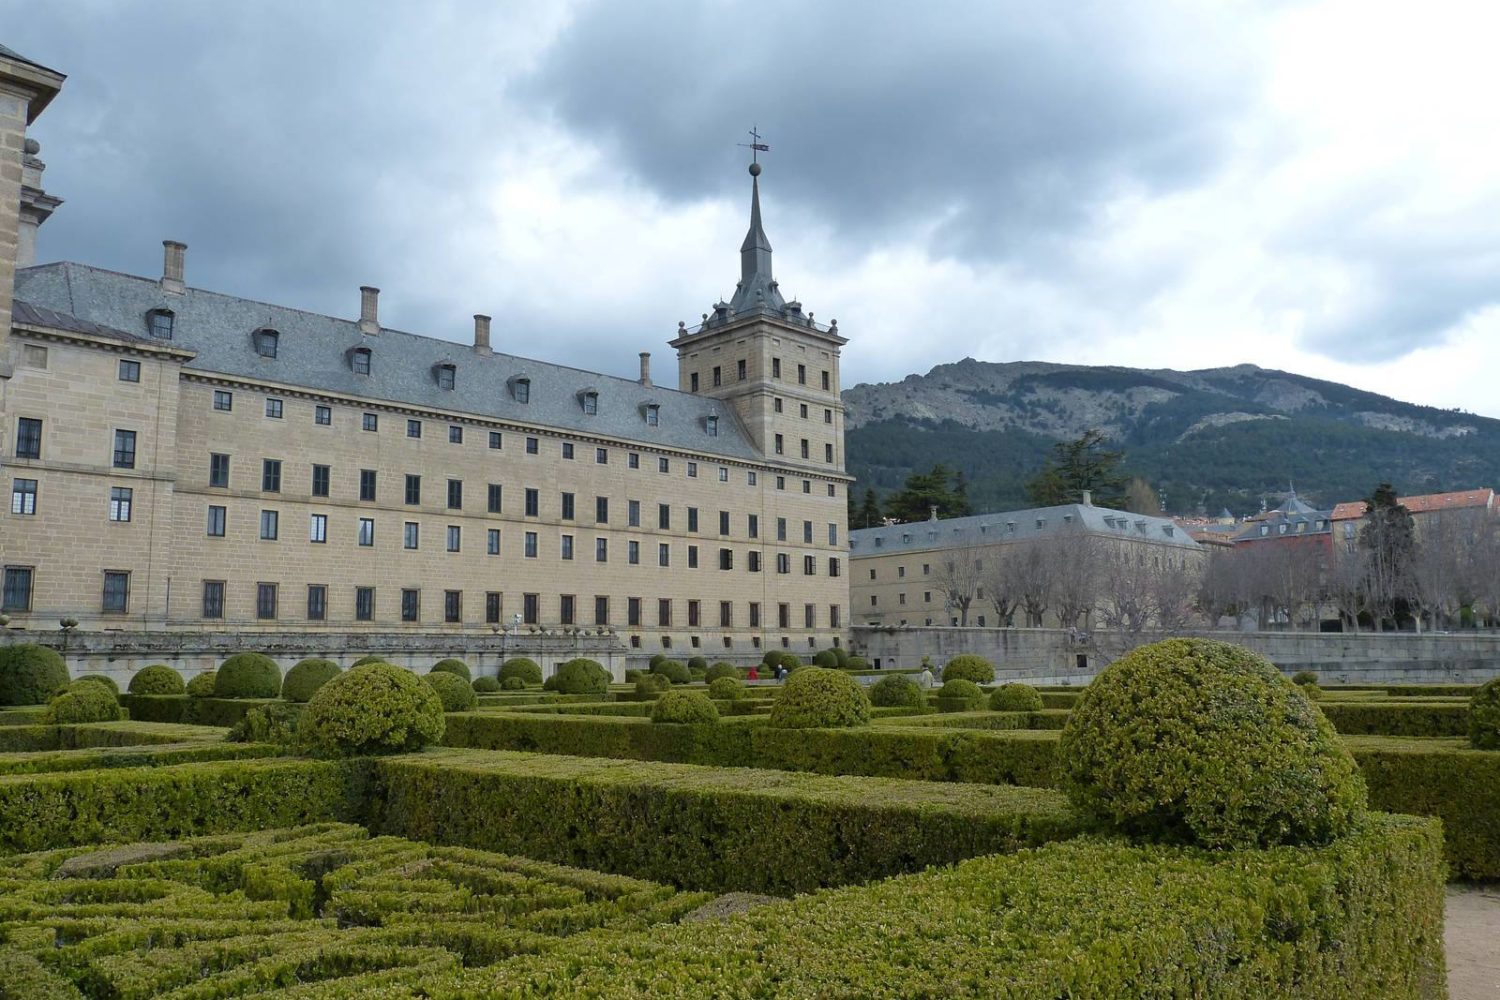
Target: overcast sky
1307	186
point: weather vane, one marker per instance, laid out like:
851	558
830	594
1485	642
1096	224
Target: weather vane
755	146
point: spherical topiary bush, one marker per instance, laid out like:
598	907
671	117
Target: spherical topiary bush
772	658
371	709
451	666
519	666
82	701
456	693
672	671
372	658
697	663
969	668
791	661
579	676
306	676
513	684
896	691
826	658
1304	677
655	659
30	674
842	655
248	675
960	690
487	684
857	663
1484	716
726	688
814	697
649	686
157	679
108	682
1203	742
684	707
202	685
1016	698
721	669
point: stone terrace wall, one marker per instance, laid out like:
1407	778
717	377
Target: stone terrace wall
1056	656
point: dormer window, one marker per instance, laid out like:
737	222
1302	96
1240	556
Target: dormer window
159	323
447	375
653	415
359	360
520	389
590	402
266	342
711	426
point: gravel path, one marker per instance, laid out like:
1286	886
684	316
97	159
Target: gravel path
1473	941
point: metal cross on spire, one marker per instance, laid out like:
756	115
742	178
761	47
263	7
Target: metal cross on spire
755	146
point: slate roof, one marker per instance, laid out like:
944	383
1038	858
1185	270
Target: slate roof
29	315
1014	526
313	353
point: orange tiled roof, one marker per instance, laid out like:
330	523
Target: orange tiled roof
1457	500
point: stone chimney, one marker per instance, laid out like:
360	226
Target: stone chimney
1088	498
481	334
645	368
173	263
369	302
36	204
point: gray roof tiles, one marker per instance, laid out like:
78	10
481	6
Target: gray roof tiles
1016	525
313	353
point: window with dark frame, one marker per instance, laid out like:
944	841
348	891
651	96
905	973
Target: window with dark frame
17	589
130	371
213	599
124	457
265	600
23	497
29	438
317	602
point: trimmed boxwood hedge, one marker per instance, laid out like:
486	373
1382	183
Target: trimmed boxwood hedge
456	694
202	685
486	684
248	675
1015	698
684	708
30	674
580	676
452	665
306	676
20	739
158	678
159	755
83	701
1484	717
703	827
1405	719
967	667
896	691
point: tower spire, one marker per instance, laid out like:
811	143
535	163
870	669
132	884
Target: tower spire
757	288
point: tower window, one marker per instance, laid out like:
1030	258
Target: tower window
740	369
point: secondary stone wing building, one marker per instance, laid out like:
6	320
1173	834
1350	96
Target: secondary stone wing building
181	458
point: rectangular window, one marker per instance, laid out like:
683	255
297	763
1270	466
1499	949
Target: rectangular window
317	528
213	598
692	519
726	614
723	474
809	565
270	475
530	545
29	438
567	548
455	538
833	533
565	608
752	525
780	445
754	566
413	489
693	382
367	484
414	428
223	400
567	450
776	368
692	557
664	516
367	531
492	541
664	612
751	479
370	421
828	453
493	498
601	610
364	604
807	532
601	456
322	415
723	522
827	416
633	612
726	559
633	460
265	601
833	616
35	356
411	535
116	592
455	494
411	605
320	480
692	470
633	514
120	498
826	382
530	608
663	554
216	519
718	376
633	553
783	563
455	434
453	606
124	449
783	615
130	371
495	439
740	369
23	496
801	374
218	471
601	550
270	523
781	482
601	510
693	613
781	529
531	446
804	449
834	566
663	465
533	502
809	616
802	410
273	408
17	593
317	602
567	506
492	607
755	614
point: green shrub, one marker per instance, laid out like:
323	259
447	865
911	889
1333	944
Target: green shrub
82	701
579	676
30	674
513	684
969	668
672	671
858	663
451	666
842	655
1484	717
791	661
697	663
632	675
371	658
896	691
1205	742
306	676
1016	698
1304	677
1312	691
772	658
722	669
275	723
371	709
651	686
202	685
693	707
656	658
158	678
814	697
826	658
248	675
726	688
456	694
958	695
487	684
1354	718
108	682
522	667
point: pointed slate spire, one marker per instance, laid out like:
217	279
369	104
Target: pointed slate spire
757	288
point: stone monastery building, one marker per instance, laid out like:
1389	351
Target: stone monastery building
180	458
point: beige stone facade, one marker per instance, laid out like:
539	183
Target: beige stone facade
265	495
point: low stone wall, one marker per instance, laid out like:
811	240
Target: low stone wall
119	655
1058	656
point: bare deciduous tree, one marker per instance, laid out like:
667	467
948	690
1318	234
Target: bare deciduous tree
958	579
1076	572
999	585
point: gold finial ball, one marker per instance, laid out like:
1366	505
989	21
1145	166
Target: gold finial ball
755	170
